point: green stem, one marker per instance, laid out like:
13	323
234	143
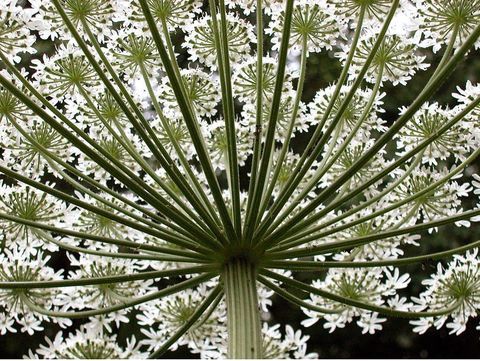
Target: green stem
130	148
313	144
170	49
269	144
191	176
360	241
287	243
418	152
113	166
191	122
291	126
327	163
105	279
257	146
295	223
119	208
323	168
73	200
144	129
360	304
207	215
221	42
295	300
52	159
192	282
243	316
81	235
316	266
67	247
448	52
147	134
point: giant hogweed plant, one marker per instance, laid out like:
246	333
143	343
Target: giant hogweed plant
126	169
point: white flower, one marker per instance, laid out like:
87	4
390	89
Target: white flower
15	35
294	344
32	205
370	323
202	90
174	13
89	343
476	183
169	313
442	20
245	79
456	142
250	5
108	294
115	163
454	289
6	323
396	59
200	40
349	9
312	21
96	14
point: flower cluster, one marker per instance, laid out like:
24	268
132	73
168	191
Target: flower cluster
160	144
456	288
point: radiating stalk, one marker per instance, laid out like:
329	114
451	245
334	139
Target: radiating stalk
56	161
288	136
101	280
195	256
292	229
364	205
192	177
316	266
147	134
85	205
104	159
221	41
360	304
130	148
427	92
208	214
243	316
294	179
46	237
170	290
328	163
257	146
448	52
269	144
191	123
296	300
360	241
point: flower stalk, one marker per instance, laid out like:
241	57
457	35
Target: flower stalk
243	314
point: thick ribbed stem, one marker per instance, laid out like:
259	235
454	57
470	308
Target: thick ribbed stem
243	317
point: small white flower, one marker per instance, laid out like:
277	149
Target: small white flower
312	21
441	20
6	323
200	40
370	323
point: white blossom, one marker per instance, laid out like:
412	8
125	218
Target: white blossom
141	161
